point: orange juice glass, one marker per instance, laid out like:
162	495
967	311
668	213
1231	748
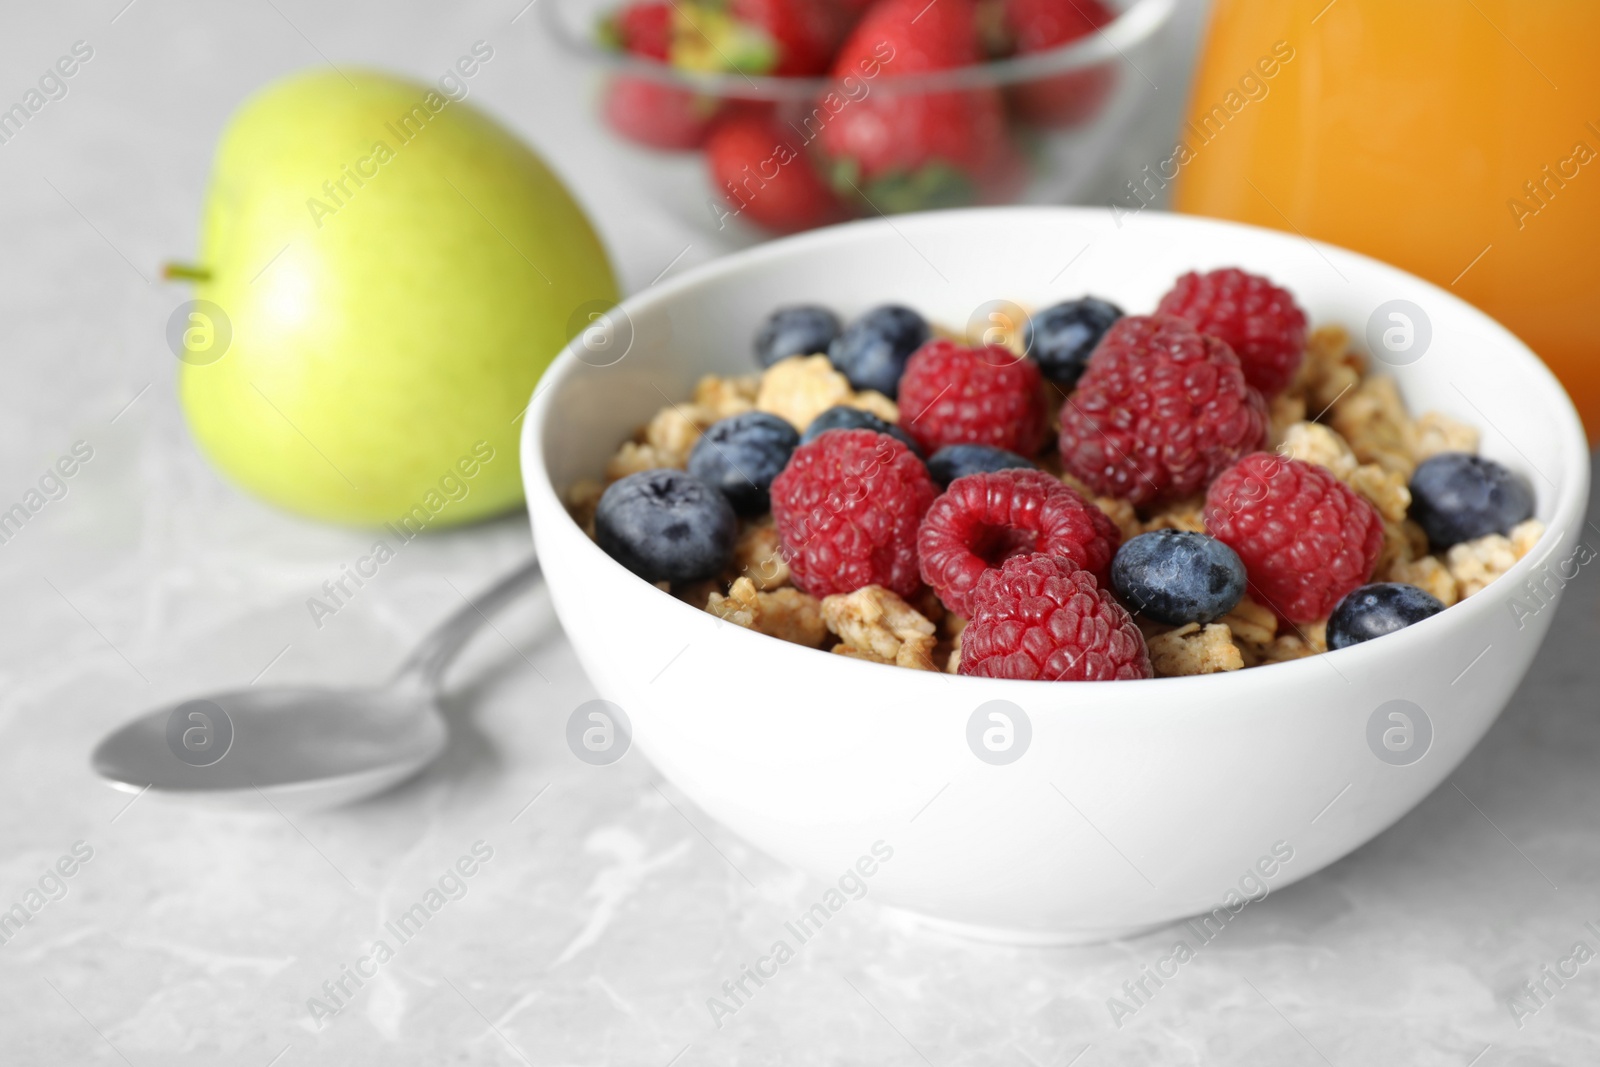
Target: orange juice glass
1458	139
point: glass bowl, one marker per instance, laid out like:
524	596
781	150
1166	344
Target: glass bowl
1061	114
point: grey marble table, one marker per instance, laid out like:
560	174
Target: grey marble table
602	910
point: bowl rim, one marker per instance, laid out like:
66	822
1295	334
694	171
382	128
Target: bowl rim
1570	494
1135	23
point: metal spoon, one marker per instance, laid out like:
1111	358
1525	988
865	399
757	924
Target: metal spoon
302	747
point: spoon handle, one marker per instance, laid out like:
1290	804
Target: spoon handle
433	655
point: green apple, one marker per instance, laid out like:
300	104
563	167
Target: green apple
384	273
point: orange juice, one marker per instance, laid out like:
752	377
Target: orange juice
1458	139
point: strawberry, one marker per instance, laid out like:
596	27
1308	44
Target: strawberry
656	115
1041	25
902	151
807	32
765	175
643	29
786	38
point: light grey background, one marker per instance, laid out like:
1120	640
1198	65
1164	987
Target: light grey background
611	909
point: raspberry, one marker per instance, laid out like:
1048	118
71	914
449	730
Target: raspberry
1261	323
1305	537
1044	618
1159	413
847	508
984	519
953	395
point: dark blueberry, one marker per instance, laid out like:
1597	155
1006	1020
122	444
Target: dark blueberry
1456	496
1060	338
872	351
795	331
843	418
666	526
1378	609
1176	576
740	455
954	461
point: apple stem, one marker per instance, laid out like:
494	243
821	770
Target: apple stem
187	272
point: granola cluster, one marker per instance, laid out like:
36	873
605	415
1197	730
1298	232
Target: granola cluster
802	387
1335	414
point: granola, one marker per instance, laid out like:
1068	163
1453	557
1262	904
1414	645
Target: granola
727	396
673	431
1474	564
1435	432
1383	488
1397	547
1331	369
953	663
1187	514
634	458
1299	645
874	623
1251	623
758	555
1372	418
1119	511
1283	412
582	499
1194	649
802	387
787	613
1312	442
1426	573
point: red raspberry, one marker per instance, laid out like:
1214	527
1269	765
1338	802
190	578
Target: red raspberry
847	508
1261	323
1160	411
984	519
1305	537
1044	618
953	395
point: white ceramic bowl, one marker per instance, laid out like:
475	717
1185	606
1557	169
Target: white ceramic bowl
1134	803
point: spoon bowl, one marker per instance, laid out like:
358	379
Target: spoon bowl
313	747
303	747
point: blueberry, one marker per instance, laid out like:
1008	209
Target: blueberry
1456	496
806	330
872	351
843	418
1060	338
1176	576
666	526
954	461
1378	609
741	455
